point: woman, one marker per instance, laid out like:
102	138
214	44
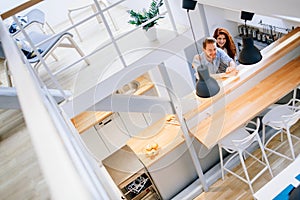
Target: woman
225	42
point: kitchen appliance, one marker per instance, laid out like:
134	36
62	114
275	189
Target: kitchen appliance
130	175
254	33
240	29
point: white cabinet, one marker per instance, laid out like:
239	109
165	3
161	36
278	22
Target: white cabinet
94	143
112	132
134	122
156	112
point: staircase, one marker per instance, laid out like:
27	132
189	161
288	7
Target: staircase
20	174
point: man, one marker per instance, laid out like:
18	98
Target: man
214	58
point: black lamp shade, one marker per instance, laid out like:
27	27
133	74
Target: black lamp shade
249	54
246	15
189	4
206	86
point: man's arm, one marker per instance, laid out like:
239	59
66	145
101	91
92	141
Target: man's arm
231	66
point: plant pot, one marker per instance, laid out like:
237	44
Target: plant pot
151	34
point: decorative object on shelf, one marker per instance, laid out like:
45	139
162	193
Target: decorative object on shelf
142	17
249	54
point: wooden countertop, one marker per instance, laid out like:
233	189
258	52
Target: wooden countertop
244	108
87	119
167	135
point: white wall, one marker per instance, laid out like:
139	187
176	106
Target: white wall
272	8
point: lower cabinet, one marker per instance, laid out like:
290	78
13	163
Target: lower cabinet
95	143
105	137
173	172
134	123
112	132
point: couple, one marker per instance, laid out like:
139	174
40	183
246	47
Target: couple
218	53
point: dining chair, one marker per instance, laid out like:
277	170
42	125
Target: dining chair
46	44
238	143
54	41
33	17
282	118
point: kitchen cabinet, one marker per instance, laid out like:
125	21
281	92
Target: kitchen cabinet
153	115
95	143
134	123
137	122
113	132
173	172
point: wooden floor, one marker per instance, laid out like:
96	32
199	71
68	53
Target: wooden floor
232	188
20	174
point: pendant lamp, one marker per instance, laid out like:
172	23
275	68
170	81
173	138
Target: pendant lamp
206	86
189	4
250	54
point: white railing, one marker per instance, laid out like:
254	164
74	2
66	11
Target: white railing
69	173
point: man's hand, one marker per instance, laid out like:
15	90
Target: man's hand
229	69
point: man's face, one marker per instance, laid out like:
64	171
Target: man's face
211	51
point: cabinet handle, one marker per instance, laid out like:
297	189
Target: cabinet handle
107	122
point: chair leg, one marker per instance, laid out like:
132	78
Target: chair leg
246	172
110	17
290	143
97	16
73	43
72	22
221	161
264	156
50	28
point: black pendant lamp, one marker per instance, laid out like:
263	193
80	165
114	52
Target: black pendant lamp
189	4
250	54
206	86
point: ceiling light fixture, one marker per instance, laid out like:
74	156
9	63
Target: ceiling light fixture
250	54
206	86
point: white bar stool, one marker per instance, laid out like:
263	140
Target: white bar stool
237	144
282	118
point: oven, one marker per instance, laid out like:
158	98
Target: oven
130	175
139	187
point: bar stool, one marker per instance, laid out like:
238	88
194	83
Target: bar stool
282	118
237	144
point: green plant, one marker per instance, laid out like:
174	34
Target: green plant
140	17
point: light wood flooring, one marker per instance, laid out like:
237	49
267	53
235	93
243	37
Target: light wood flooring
232	188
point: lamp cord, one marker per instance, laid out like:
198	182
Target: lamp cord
188	14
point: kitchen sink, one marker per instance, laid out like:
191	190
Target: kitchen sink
129	88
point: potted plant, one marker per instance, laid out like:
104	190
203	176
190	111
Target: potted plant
140	17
